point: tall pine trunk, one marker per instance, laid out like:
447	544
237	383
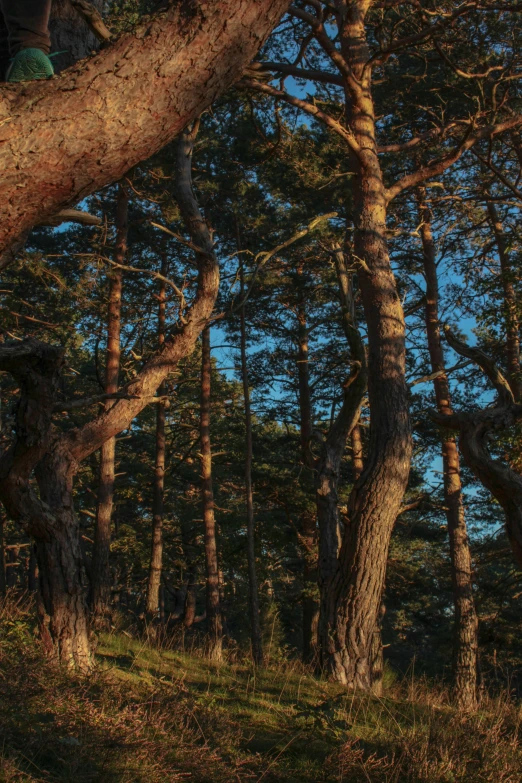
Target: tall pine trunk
510	302
100	571
355	593
465	646
308	534
156	555
255	623
214	619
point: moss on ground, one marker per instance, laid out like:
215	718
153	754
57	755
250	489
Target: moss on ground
148	715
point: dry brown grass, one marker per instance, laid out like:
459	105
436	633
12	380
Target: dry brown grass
148	715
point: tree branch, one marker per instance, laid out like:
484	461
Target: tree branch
434	168
67	137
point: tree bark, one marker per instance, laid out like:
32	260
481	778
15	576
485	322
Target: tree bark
156	555
49	515
355	592
255	623
62	580
214	620
328	465
3	580
474	427
62	139
510	302
70	35
357	453
202	238
465	645
308	535
100	569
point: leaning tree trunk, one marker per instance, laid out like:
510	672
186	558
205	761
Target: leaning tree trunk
150	84
465	645
255	624
308	535
510	302
100	569
156	554
214	621
355	593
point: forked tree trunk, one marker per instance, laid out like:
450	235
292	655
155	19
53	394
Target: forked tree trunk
512	325
465	645
214	620
255	623
100	570
355	593
308	533
156	555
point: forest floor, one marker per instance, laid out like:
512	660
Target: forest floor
149	715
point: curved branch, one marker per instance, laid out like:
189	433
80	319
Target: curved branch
67	137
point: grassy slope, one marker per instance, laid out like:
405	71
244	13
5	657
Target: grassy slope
149	715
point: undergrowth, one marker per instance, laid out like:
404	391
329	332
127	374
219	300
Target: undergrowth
148	715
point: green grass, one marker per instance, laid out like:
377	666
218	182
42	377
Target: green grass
149	715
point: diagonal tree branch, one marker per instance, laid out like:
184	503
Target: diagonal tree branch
65	138
437	167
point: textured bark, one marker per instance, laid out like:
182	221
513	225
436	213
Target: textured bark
65	138
36	367
62	580
156	554
328	465
255	623
510	302
100	569
355	592
214	620
357	453
308	533
465	645
48	516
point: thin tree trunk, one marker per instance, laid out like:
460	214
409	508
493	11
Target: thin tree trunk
308	533
465	647
32	571
100	572
510	302
355	593
189	608
255	623
156	556
357	453
3	580
214	620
